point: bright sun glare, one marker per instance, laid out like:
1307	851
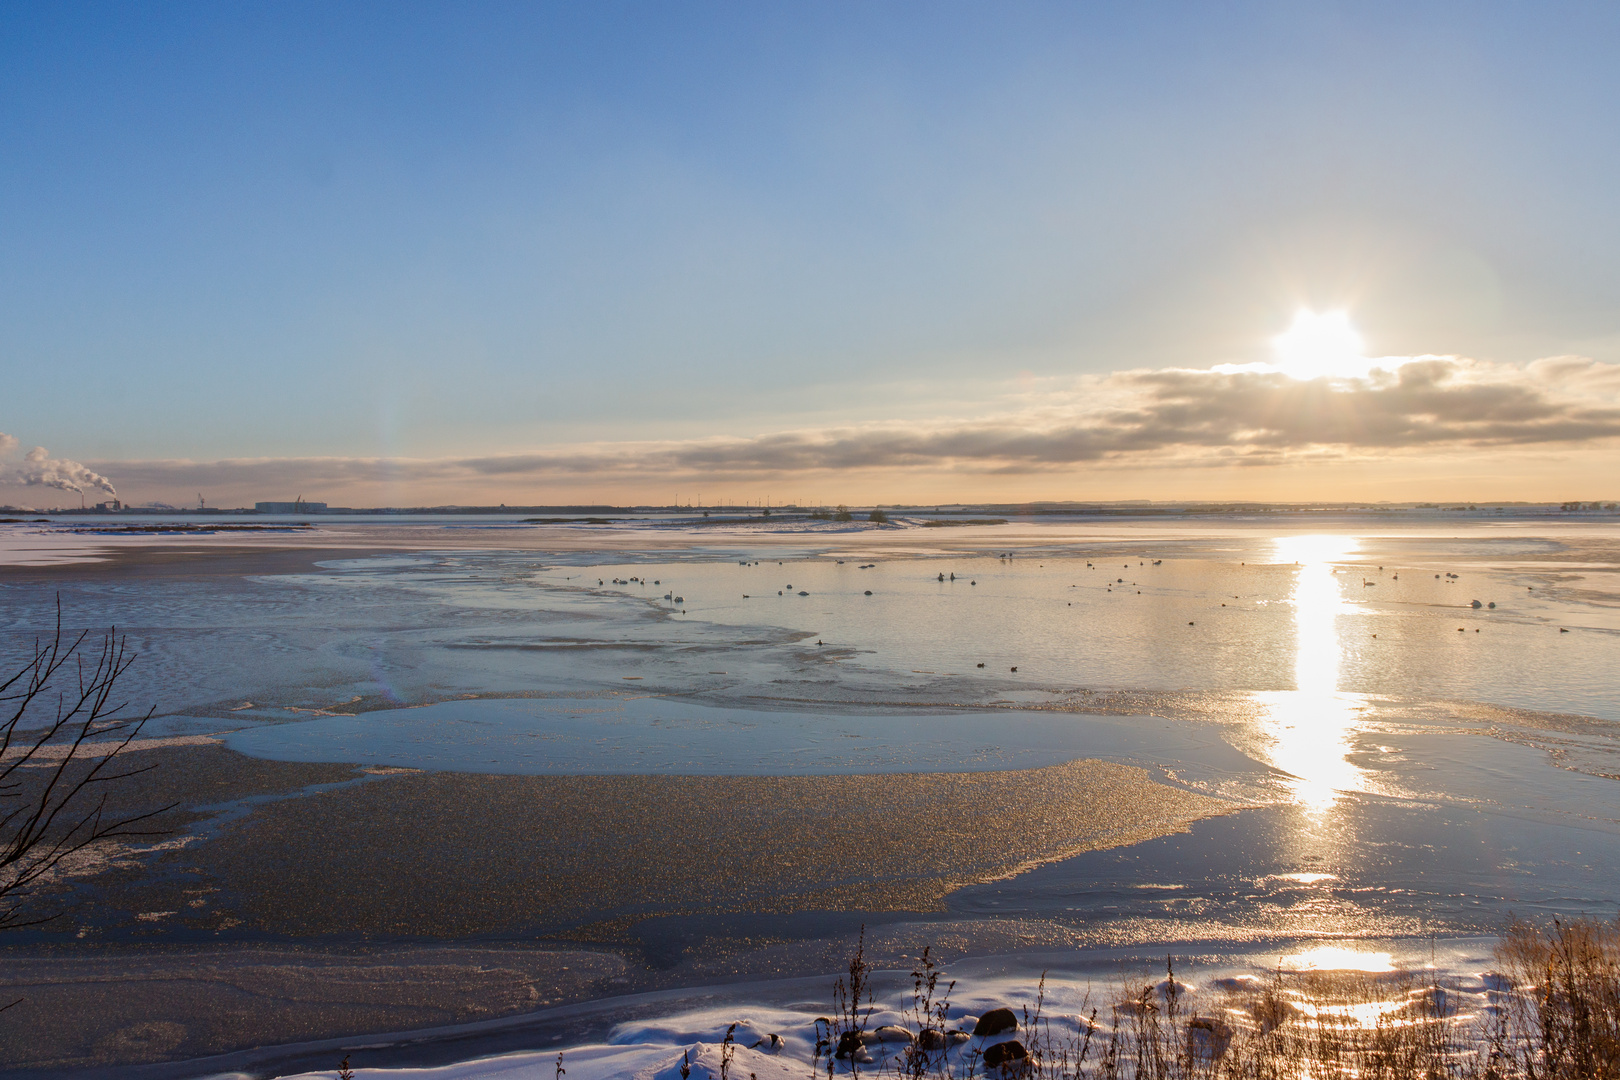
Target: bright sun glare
1320	345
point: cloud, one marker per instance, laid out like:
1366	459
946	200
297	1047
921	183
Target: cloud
1140	417
39	469
1168	417
8	443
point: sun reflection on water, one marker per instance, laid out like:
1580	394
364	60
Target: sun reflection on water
1310	726
1337	958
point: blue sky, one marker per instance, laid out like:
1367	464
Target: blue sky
448	233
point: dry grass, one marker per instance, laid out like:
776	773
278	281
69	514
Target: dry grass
1550	1011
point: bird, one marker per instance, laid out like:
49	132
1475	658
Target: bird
1015	669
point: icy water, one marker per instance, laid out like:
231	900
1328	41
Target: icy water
1411	726
659	736
1321	612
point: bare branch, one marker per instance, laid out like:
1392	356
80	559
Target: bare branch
60	749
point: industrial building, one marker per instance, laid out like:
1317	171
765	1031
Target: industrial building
298	507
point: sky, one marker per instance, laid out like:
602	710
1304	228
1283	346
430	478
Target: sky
418	254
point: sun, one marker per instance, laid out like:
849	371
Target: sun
1320	345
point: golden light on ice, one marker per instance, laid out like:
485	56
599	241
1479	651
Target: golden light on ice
1309	727
1338	958
1320	345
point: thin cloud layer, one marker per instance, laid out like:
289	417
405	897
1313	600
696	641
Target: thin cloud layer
1253	416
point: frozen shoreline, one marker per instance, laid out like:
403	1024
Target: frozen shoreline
455	652
646	1034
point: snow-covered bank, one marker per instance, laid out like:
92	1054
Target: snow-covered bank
1003	1018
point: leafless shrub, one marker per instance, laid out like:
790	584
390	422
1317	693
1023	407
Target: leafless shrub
852	1009
1553	1013
928	1013
61	737
1557	1003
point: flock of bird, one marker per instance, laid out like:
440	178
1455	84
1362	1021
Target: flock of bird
944	576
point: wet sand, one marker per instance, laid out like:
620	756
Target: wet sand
93	1009
334	856
449	855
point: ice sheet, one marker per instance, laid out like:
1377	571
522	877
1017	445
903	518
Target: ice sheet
655	735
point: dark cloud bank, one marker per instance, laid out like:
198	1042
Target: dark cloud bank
1141	418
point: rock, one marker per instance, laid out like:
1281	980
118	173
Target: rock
995	1021
868	592
1476	604
935	1039
1208	1038
1431	1001
1168	988
803	593
888	1033
1004	1054
1271	1013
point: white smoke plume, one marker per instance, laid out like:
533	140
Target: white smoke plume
39	469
